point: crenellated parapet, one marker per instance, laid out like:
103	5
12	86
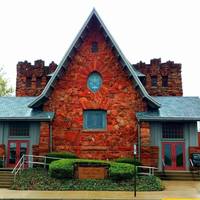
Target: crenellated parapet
161	79
31	79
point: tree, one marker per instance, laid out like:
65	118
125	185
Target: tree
5	89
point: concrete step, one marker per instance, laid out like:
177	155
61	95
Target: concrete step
6	169
187	176
6	178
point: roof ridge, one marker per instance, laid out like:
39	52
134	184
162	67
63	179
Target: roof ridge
47	90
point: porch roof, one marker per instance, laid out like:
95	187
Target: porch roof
16	108
173	109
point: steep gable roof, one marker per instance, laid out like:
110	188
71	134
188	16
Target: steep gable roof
71	51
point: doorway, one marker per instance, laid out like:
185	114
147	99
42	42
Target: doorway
173	155
16	149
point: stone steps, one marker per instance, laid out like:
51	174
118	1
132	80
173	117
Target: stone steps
186	176
6	178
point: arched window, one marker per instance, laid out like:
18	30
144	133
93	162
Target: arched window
94	81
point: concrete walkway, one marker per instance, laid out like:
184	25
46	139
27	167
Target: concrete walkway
174	189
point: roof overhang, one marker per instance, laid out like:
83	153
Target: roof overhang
71	51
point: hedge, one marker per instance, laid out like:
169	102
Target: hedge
65	168
59	155
132	161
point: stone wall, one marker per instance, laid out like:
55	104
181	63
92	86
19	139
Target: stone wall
44	143
156	68
149	154
195	149
2	150
117	96
31	79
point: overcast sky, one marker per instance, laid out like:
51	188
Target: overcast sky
144	29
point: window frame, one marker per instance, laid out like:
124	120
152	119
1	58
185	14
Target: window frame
173	129
86	127
90	78
38	81
154	78
15	127
94	47
28	82
165	81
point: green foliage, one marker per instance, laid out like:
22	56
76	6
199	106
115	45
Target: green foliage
149	183
60	155
121	171
5	90
62	168
65	168
39	179
132	161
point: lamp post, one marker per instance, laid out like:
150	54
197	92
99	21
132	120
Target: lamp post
135	168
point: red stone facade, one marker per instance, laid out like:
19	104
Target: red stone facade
31	79
2	150
149	154
195	149
44	144
117	96
169	70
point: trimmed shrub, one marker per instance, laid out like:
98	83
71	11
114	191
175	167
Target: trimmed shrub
121	171
59	155
132	161
62	168
65	168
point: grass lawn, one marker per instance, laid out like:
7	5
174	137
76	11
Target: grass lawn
39	179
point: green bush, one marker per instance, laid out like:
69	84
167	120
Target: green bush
65	168
59	155
121	171
39	179
132	161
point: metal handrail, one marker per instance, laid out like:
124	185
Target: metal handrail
18	164
163	167
25	159
163	163
150	170
191	162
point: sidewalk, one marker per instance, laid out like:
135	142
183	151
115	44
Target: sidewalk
178	189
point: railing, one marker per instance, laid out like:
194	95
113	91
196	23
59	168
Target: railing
191	162
163	166
2	161
28	160
146	170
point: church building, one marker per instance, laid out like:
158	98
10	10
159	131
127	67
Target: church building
96	104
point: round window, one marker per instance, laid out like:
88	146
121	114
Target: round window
94	81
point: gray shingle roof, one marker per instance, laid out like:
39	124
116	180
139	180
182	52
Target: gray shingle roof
174	108
16	108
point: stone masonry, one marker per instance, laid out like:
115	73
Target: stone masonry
117	96
169	70
31	79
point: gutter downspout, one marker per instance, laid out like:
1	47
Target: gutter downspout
139	140
50	137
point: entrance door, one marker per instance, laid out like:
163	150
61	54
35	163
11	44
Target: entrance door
173	155
16	148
